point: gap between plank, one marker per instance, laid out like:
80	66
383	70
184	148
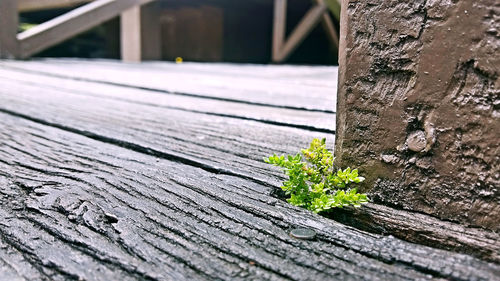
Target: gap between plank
163	91
140	149
208	168
264	121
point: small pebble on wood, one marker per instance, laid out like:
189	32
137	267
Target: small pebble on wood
416	141
303	234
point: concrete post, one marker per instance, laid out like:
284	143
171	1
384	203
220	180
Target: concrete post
419	105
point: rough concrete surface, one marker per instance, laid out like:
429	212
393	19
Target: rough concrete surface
419	105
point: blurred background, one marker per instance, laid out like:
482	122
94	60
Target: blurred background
199	30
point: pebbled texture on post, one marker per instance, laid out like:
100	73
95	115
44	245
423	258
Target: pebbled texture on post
419	105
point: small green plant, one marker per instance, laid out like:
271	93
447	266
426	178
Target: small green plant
316	184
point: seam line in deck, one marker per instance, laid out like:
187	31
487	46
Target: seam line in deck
264	121
163	91
138	148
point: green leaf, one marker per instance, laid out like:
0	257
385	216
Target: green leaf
314	184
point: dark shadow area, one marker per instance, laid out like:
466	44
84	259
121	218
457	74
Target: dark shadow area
204	31
102	41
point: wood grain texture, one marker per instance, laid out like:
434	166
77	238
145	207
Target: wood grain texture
311	120
73	207
423	229
9	22
105	181
218	136
221	144
302	87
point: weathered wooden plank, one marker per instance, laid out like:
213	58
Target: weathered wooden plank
13	264
102	212
279	27
329	27
312	120
214	143
70	24
130	35
314	77
217	143
36	5
308	22
332	34
9	21
423	229
482	244
283	47
293	87
140	33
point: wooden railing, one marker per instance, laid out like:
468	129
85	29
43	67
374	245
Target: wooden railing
283	47
140	30
52	32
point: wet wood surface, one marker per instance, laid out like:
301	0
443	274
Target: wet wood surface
116	179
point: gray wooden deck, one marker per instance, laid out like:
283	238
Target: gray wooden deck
154	171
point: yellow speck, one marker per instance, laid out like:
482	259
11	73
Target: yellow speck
178	60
